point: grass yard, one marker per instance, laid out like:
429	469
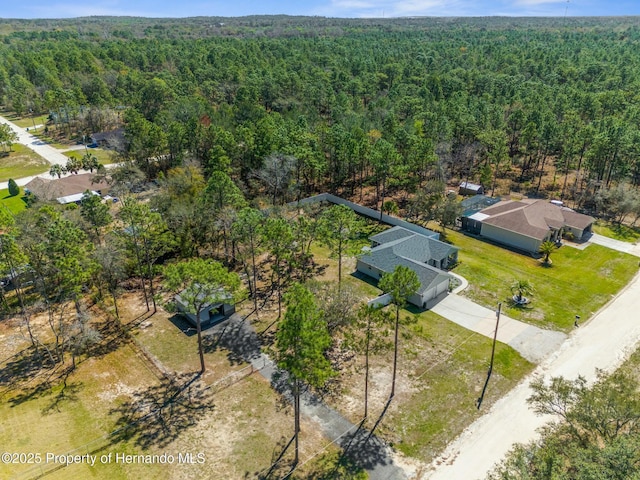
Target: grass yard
579	282
104	157
21	162
101	408
442	369
71	415
624	233
15	203
28	122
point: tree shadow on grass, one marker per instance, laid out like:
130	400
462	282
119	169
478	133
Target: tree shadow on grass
45	386
279	466
236	337
157	415
67	392
21	367
363	448
113	336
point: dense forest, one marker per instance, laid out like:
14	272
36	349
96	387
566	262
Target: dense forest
548	107
222	117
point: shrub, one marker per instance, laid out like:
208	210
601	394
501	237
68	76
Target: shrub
14	189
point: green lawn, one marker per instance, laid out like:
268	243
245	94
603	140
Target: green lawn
105	157
446	367
16	203
28	122
21	162
623	233
578	283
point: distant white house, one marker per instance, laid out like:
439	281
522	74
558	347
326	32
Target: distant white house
426	256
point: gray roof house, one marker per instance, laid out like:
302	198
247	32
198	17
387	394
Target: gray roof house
210	314
526	224
424	255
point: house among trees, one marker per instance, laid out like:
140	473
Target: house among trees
67	189
113	139
426	256
526	224
210	313
467	188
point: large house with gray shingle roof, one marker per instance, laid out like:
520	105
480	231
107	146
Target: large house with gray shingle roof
526	224
425	255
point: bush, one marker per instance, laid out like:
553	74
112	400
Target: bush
14	189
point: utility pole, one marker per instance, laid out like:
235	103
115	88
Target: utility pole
493	352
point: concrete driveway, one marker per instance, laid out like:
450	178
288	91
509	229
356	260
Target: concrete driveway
613	244
533	343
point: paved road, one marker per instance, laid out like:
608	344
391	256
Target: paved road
50	154
238	337
604	342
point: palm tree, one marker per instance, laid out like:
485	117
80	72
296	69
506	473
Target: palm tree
73	165
520	288
56	170
547	248
89	162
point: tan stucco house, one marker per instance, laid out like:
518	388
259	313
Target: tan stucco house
66	189
526	224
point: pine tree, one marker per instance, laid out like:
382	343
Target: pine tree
301	341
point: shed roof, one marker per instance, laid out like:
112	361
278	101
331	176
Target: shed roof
470	186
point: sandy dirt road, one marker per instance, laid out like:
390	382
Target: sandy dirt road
603	343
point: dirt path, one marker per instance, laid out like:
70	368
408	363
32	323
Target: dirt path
369	453
602	343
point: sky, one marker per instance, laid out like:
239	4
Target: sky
328	8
